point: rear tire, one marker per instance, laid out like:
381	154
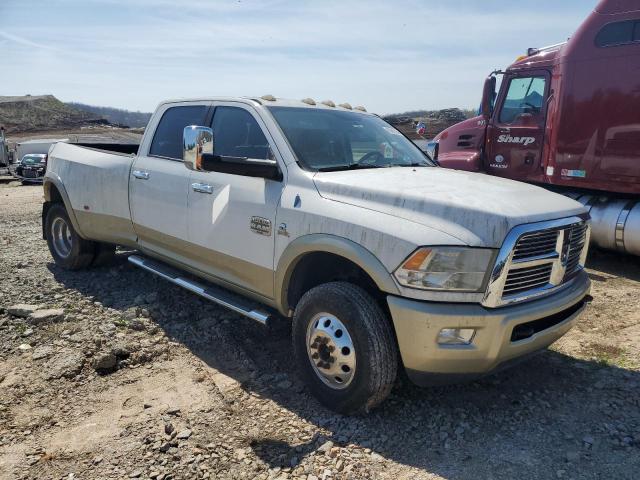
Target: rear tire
344	347
67	248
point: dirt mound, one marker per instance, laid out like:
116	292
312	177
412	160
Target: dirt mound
435	121
42	112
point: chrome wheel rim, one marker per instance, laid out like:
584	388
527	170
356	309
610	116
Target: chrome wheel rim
61	237
331	351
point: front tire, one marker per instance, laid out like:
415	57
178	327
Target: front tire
67	248
344	346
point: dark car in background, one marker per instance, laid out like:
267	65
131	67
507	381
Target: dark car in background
32	167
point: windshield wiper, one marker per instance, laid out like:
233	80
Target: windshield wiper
352	166
414	164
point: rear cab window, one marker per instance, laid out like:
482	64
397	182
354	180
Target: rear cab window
619	33
167	139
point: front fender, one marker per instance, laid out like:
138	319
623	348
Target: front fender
333	244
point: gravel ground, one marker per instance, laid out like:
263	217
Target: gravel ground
113	373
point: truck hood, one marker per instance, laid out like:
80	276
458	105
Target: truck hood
476	208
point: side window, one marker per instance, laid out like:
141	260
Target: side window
237	134
617	33
524	97
167	140
636	32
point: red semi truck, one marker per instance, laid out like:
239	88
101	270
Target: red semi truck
567	117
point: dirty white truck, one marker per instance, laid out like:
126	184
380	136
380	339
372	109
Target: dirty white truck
329	216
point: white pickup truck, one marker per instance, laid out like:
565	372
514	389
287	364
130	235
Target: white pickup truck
329	216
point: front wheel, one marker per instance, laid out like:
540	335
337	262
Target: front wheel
344	347
68	249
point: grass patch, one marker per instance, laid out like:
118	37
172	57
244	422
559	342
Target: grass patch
609	355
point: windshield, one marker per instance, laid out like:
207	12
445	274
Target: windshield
327	140
31	159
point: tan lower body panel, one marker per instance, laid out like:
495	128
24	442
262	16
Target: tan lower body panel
231	272
106	228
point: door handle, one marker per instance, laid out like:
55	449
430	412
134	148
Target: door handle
141	174
202	188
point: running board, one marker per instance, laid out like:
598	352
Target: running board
210	292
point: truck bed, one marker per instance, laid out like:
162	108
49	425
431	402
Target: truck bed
96	183
126	148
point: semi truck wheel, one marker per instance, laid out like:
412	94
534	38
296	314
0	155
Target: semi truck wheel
344	347
67	248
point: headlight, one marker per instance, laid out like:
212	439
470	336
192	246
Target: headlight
446	268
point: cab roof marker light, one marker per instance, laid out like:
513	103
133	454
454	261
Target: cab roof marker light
361	108
346	105
269	98
309	101
328	103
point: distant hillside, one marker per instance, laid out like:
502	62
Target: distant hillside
116	116
42	112
434	120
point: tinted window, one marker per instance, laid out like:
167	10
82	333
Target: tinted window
324	139
237	134
636	32
617	33
167	141
525	96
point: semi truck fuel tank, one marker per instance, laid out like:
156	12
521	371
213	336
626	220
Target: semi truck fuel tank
615	221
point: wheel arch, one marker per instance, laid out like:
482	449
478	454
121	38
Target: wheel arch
333	254
54	192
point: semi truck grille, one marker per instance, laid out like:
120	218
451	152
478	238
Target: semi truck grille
535	261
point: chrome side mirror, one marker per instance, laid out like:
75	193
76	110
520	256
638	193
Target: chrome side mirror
196	142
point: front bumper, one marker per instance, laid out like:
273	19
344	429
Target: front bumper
417	325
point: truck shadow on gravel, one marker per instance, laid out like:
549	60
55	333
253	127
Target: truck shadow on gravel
613	263
550	416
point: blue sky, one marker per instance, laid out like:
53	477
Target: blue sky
389	56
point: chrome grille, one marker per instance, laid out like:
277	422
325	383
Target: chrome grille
523	279
536	244
577	236
538	258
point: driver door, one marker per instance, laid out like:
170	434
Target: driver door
515	135
231	218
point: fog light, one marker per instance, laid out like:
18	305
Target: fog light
456	336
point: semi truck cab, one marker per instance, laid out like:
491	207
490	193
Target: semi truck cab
566	116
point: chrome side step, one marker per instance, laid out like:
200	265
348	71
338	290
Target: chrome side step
210	292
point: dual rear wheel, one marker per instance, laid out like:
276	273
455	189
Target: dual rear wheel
67	248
